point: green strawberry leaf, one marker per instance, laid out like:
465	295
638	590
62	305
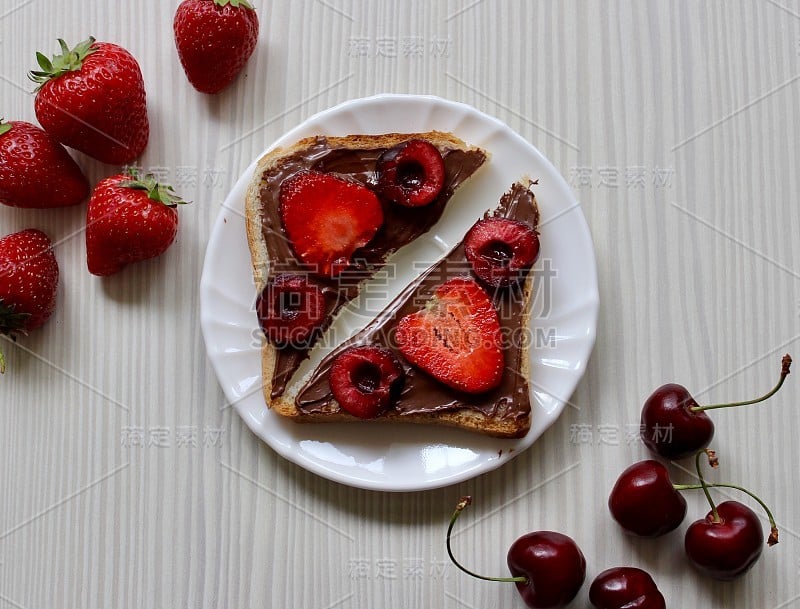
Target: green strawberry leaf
70	60
234	3
4	126
2	363
11	321
162	193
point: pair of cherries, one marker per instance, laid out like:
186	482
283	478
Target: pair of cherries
724	545
549	569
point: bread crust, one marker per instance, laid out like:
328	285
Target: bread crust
258	246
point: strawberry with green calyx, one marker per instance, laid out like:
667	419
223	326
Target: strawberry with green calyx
130	218
92	98
28	283
35	170
214	39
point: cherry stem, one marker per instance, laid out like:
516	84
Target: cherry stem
712	459
786	363
773	533
464	502
2	362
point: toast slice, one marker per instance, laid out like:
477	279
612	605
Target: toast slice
352	158
503	411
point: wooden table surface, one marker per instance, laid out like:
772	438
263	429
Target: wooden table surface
126	482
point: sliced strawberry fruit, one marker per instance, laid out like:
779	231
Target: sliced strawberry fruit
411	173
456	338
290	308
365	380
501	251
327	218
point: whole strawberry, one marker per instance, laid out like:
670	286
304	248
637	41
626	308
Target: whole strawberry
35	170
129	218
214	38
92	98
28	282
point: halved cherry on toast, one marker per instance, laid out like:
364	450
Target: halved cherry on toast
411	174
365	380
290	309
501	250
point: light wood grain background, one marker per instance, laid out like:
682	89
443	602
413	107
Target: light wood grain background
677	125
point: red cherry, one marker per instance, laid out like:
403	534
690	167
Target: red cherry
625	588
411	174
726	546
553	566
548	568
291	309
501	251
675	426
671	427
365	380
645	502
728	541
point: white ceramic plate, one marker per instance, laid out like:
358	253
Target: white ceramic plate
412	457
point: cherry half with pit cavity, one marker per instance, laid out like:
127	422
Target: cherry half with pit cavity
411	174
674	425
501	251
366	380
548	568
290	309
625	588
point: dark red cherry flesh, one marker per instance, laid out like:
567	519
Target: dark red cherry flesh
365	380
411	174
670	428
553	565
727	548
625	588
501	251
291	308
644	501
